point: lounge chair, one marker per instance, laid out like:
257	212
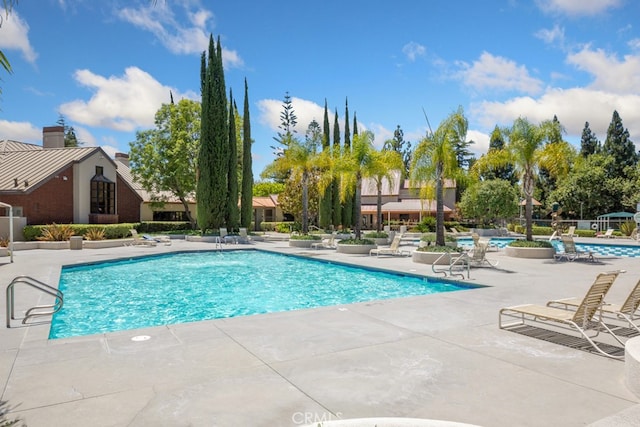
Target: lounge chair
489	246
554	236
571	232
571	253
607	234
329	243
139	240
586	318
625	311
243	236
226	237
478	256
393	249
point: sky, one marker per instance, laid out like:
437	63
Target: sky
108	66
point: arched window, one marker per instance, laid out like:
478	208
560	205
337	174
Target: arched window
103	193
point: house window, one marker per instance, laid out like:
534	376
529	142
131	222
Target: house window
268	215
103	193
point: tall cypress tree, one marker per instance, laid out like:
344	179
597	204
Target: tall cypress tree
246	197
213	158
619	145
347	210
232	173
326	203
337	208
589	144
354	207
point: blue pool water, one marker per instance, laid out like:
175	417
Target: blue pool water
193	286
632	251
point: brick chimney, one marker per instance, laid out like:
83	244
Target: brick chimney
53	137
123	158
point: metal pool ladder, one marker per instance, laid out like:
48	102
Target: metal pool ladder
39	310
458	262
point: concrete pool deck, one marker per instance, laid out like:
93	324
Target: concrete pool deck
438	357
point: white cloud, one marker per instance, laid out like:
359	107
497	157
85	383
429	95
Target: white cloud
305	111
14	35
573	107
577	7
554	35
481	142
20	131
634	44
160	20
491	72
610	74
122	103
412	50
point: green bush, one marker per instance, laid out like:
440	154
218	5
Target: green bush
305	237
428	223
531	244
431	238
440	249
356	242
376	235
162	226
111	231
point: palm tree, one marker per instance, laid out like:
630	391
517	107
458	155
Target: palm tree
300	161
526	151
383	165
362	161
434	160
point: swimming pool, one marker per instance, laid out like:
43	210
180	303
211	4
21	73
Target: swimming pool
631	251
192	286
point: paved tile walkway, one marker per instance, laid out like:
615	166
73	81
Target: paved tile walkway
437	357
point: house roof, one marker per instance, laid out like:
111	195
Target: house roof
412	205
29	166
265	201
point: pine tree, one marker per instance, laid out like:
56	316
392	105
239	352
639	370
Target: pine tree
337	208
326	204
347	209
619	145
506	172
589	144
288	122
246	198
232	169
213	158
355	210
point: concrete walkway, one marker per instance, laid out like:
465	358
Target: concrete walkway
437	357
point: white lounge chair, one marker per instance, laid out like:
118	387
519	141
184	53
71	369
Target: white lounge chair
625	311
478	256
571	232
329	243
587	317
393	249
139	240
571	253
607	234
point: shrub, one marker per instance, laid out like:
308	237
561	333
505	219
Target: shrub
431	238
56	233
531	244
376	235
94	233
428	223
440	249
356	242
111	231
627	227
305	237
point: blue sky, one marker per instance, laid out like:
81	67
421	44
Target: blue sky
108	66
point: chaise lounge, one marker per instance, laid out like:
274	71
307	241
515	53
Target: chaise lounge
587	317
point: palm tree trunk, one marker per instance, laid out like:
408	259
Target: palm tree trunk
439	205
305	203
379	207
357	201
528	207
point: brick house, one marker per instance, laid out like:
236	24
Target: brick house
53	183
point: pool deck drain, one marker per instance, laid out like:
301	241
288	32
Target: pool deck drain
437	356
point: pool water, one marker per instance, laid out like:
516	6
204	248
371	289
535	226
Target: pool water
632	251
193	286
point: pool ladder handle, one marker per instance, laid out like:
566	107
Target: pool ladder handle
460	261
37	310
